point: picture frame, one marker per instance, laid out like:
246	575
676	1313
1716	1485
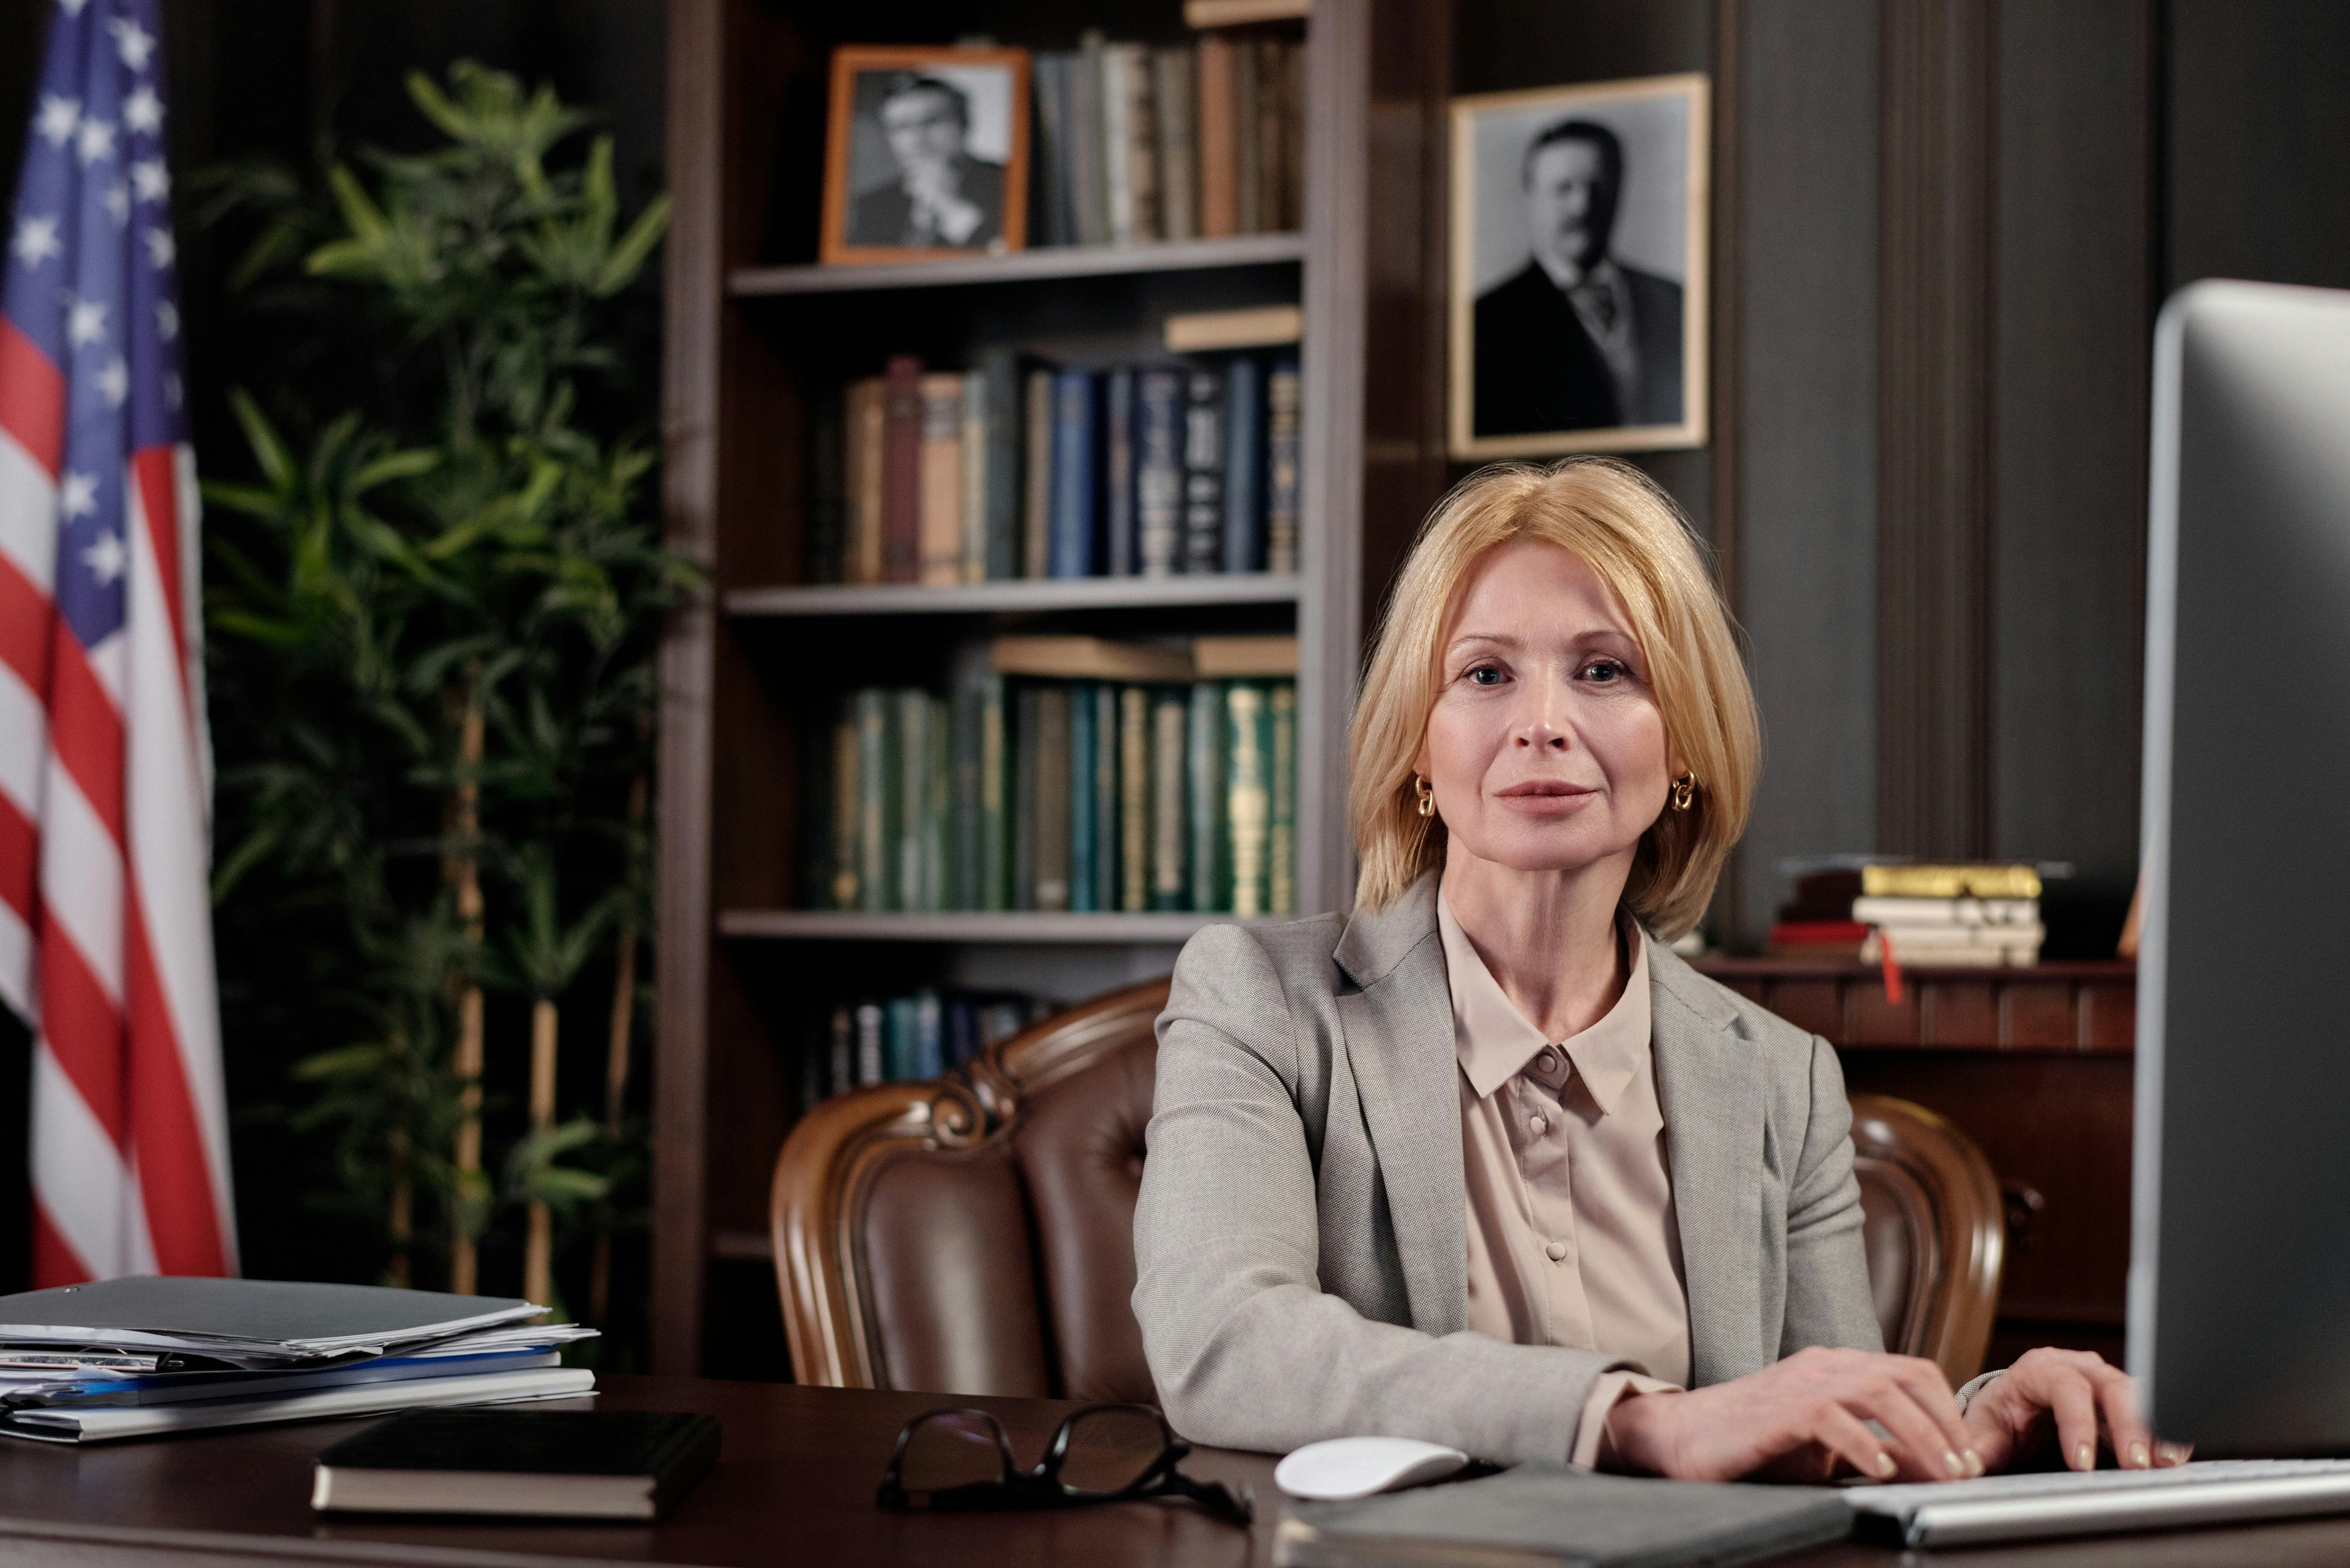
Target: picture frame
1578	245
926	153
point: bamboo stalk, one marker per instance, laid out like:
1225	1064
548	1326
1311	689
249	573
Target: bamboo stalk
538	1250
615	1072
403	1223
462	1263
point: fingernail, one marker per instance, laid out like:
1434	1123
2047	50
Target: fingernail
1974	1463
2084	1457
1884	1465
2138	1456
2170	1453
1951	1465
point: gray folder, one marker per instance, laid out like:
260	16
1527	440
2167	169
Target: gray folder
1552	1514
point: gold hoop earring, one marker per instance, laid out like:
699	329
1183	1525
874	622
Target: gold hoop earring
1425	793
1684	791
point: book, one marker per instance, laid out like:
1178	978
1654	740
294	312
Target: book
1082	760
994	808
903	1039
1052	797
1242	13
571	1464
1116	96
1086	176
940	504
1214	112
901	469
1293	142
1248	798
111	1423
1204	796
861	472
1223	657
999	372
1157	471
1036	477
1107	836
1946	912
827	527
1545	1513
1026	729
872	1045
1173	94
846	811
1244	531
1949	881
1257	327
910	721
1281	833
1248	131
1169	714
1134	820
877	800
975	454
1815	939
1073	657
968	838
841	1065
930	1034
939	889
1285	435
1272	136
1118	474
1141	148
1203	471
1055	196
1076	439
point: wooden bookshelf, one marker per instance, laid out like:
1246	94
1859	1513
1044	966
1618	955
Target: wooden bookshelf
755	334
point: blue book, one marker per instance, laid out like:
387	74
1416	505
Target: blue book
1244	465
1081	798
930	1035
1159	472
905	1044
1118	488
1076	439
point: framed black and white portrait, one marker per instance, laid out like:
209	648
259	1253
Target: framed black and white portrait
928	153
1579	282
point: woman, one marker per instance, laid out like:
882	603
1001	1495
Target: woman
1484	1163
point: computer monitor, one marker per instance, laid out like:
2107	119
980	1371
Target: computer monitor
2239	1243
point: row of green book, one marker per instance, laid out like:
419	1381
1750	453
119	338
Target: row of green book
1077	796
919	1035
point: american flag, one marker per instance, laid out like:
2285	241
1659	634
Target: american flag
105	774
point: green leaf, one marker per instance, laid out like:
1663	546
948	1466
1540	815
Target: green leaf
627	257
276	463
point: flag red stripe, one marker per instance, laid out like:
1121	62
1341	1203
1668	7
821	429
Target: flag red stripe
154	470
25	616
85	730
20	856
55	1262
32	398
84	1030
174	1177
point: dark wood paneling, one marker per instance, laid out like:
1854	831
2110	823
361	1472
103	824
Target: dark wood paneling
1933	707
1805	368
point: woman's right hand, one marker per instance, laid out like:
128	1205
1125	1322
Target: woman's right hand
1800	1419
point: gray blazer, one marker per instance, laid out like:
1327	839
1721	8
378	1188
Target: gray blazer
1302	1238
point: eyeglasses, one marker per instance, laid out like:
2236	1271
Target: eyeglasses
960	1460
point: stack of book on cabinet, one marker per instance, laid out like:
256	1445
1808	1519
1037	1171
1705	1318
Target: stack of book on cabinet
915	1036
1073	773
1137	144
143	1356
1018	468
1970	916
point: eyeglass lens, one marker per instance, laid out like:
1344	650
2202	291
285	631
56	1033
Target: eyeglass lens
1110	1450
949	1449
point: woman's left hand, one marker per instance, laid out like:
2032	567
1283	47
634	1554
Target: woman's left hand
2074	1397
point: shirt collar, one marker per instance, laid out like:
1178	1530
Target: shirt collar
1495	1042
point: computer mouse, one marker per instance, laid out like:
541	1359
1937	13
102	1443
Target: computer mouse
1340	1468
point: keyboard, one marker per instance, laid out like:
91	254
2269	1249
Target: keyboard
2091	1503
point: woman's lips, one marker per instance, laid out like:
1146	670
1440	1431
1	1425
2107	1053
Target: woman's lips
1547	797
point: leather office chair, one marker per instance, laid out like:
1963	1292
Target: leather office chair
973	1234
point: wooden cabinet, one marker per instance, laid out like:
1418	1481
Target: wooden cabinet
2037	1065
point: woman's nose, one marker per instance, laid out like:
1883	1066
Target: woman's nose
1542	724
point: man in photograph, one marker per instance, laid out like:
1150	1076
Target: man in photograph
942	196
1575	339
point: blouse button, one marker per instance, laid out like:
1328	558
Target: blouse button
1539	1124
1547	1060
1557	1252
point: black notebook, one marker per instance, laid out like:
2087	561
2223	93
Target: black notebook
1548	1516
552	1464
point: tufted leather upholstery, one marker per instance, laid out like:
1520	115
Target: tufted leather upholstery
974	1235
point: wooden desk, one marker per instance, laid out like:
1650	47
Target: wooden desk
794	1485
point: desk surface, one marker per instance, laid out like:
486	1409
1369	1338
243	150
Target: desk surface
794	1485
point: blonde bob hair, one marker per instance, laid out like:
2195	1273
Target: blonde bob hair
1631	533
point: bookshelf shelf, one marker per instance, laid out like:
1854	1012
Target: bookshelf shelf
1054	263
1024	925
1016	596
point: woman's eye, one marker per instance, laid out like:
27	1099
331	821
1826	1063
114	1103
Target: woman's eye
1482	675
1604	670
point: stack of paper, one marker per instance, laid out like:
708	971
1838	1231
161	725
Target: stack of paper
134	1356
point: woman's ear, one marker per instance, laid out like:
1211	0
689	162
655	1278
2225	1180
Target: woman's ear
1419	758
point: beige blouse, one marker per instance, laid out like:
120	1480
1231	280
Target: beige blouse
1571	1238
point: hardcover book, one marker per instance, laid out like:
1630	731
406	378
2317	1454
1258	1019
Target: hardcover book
1243	540
1284	428
1075	438
1203	471
1108	832
940	488
1159	471
1036	477
876	824
999	374
1172	96
1219	152
901	469
1134	819
566	1464
1248	796
1118	473
1281	838
1204	794
1169	714
1051	832
1082	760
864	422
